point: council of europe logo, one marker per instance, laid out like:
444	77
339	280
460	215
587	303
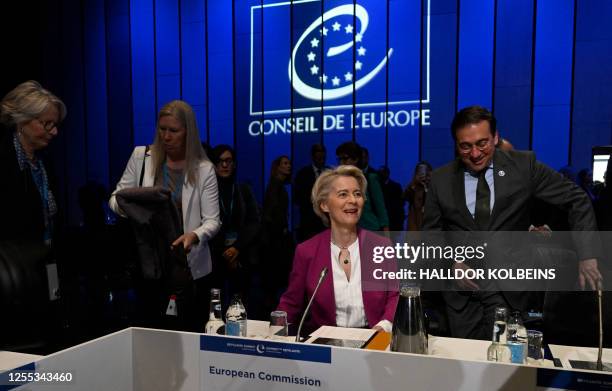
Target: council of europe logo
332	58
342	84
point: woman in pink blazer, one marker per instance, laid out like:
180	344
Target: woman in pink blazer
349	296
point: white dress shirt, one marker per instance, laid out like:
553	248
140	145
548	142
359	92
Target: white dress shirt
350	311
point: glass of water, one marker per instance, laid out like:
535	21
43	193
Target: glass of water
535	354
278	324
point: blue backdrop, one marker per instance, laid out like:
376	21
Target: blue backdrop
274	77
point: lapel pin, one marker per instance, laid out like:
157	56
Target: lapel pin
501	173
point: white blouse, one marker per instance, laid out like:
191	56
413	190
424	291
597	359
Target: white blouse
350	311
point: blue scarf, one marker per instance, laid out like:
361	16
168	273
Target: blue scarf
39	175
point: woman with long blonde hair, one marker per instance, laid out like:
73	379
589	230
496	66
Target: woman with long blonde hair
177	162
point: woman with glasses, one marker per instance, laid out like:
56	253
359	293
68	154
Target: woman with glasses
177	162
29	117
234	248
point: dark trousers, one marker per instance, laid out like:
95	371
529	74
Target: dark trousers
475	319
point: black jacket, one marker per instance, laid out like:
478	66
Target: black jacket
21	214
310	223
246	218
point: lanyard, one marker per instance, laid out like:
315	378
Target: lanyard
231	203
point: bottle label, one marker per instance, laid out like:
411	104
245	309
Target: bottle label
213	327
232	328
517	351
171	309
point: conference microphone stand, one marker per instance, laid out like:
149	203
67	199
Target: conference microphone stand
600	319
599	365
321	278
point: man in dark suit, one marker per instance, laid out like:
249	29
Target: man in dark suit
392	192
487	189
365	163
310	224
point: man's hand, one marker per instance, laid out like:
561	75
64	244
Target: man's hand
543	230
588	272
465	283
231	255
187	240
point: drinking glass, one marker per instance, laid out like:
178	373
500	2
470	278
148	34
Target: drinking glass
278	324
534	346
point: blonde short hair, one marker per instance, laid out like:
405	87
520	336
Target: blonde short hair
27	102
323	185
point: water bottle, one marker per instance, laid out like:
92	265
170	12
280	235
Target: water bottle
517	338
215	318
236	318
499	350
409	335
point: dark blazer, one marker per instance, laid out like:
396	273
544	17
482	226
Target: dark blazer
310	223
379	299
392	193
156	225
247	223
275	207
276	240
20	202
519	178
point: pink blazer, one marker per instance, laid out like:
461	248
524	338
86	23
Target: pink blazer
310	258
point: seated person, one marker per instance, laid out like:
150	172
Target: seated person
338	197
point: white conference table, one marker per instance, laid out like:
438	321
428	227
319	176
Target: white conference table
455	348
138	359
10	360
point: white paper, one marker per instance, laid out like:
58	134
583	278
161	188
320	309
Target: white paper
341	333
566	353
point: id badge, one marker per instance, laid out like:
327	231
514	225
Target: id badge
230	238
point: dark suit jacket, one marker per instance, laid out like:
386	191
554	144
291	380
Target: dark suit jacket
310	223
20	202
247	223
276	240
392	192
518	179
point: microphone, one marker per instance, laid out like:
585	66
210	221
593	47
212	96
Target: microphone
321	278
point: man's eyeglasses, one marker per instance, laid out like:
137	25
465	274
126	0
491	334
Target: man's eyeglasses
481	145
47	125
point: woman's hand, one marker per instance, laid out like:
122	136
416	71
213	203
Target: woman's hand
188	240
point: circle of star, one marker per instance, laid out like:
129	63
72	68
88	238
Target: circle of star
313	59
